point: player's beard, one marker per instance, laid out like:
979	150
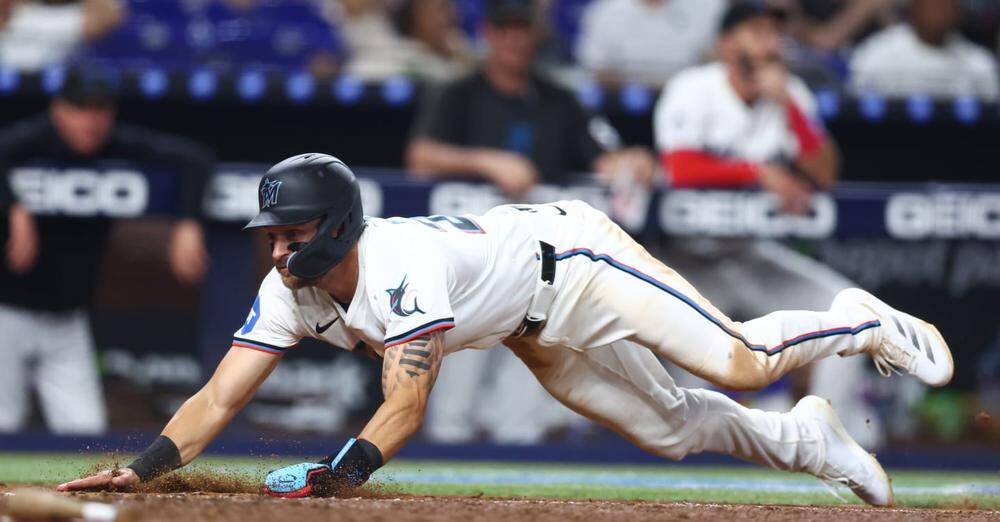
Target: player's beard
295	283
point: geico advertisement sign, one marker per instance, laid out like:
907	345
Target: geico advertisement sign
911	215
741	214
81	192
454	198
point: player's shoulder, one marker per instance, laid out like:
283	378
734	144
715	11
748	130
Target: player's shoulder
166	146
387	239
281	298
462	87
395	246
698	76
553	91
274	322
693	84
32	130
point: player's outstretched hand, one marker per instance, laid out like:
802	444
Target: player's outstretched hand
123	478
301	480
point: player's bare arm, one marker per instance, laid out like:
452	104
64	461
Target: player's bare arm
195	424
200	419
408	374
822	166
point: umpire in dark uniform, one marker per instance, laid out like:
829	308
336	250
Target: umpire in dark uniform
53	251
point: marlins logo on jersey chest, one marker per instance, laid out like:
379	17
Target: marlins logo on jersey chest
396	297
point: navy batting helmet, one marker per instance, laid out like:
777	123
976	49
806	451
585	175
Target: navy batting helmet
307	187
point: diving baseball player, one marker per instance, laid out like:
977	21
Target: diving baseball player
583	305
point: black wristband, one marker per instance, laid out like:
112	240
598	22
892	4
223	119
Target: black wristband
162	456
355	462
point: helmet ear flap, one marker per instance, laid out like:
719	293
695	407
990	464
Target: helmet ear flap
326	250
308	187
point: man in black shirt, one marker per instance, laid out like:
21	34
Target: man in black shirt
510	125
54	242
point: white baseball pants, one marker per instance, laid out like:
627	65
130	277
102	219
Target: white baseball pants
54	354
614	299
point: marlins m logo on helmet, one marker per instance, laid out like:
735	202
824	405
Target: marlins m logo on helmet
269	193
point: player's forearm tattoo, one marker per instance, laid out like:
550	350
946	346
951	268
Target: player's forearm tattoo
414	363
414	355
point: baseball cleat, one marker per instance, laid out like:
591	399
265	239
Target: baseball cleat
908	344
846	462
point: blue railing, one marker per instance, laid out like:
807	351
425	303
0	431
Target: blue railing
253	85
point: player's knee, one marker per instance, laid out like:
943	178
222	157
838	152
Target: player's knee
743	370
674	452
741	379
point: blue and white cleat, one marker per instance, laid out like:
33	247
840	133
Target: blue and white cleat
908	343
845	461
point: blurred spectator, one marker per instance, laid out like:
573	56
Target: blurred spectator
819	32
926	55
831	25
440	49
49	273
646	40
508	124
746	121
34	34
289	34
420	38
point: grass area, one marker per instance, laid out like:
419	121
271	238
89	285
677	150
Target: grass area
654	483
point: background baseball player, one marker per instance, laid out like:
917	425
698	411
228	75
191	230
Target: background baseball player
743	121
49	276
574	296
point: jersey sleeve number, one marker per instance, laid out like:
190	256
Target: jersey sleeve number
447	223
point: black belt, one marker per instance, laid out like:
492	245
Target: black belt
529	326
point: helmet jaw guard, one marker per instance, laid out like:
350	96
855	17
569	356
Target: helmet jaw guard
307	187
315	258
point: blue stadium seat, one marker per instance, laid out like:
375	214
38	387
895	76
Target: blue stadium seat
186	35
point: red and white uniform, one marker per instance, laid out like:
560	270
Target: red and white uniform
708	137
612	309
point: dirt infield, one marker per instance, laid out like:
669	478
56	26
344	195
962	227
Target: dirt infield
244	507
377	507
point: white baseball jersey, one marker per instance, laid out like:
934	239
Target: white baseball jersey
613	303
699	110
471	275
